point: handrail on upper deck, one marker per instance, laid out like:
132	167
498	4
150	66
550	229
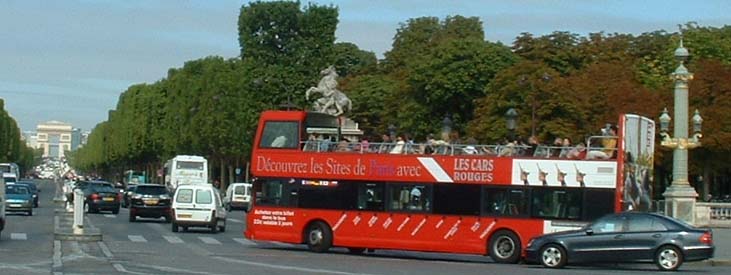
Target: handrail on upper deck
444	148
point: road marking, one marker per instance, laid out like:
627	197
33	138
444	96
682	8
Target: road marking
137	238
235	221
57	254
105	250
172	239
119	268
110	216
18	236
209	240
243	241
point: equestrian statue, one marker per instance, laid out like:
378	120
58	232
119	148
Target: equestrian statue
333	101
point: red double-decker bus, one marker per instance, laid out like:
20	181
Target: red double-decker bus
467	198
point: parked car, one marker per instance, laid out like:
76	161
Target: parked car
34	190
238	196
150	201
625	237
18	198
99	196
198	205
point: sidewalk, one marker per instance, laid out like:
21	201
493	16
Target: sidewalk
722	240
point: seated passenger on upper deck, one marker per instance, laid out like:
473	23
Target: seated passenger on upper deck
609	145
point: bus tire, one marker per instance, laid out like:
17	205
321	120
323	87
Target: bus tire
505	247
319	237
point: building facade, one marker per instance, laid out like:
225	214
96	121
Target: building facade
55	138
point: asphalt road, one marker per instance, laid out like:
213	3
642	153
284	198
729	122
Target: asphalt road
149	247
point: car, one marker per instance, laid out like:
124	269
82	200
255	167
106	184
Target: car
198	205
238	196
127	194
99	196
2	205
625	237
150	201
18	198
34	190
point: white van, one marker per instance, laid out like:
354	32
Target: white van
238	196
198	206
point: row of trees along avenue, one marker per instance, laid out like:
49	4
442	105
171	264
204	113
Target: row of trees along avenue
12	146
562	84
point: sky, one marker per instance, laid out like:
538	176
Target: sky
70	60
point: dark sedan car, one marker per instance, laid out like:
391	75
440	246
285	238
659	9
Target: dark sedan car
149	201
625	237
100	196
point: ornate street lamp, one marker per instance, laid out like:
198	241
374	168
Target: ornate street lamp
680	197
511	121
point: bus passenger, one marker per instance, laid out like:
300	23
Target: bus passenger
609	144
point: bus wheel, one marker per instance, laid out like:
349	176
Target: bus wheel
319	237
356	250
505	247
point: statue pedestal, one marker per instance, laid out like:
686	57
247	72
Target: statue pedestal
680	202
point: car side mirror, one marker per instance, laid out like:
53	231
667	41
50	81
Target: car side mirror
589	231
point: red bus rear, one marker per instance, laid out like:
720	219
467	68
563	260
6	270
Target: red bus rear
468	198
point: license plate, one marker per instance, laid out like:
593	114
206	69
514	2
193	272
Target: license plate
185	216
16	205
150	202
108	199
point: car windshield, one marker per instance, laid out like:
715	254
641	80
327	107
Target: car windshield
16	190
151	190
103	188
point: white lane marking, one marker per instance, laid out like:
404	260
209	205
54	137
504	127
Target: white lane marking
209	240
137	238
285	267
435	169
234	221
18	236
119	268
110	216
57	254
105	250
244	241
173	239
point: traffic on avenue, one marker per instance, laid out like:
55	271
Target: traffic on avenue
147	246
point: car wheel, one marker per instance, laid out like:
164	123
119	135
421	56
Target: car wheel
133	218
168	218
214	227
185	229
553	256
30	212
505	247
319	237
115	211
222	228
668	258
175	227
